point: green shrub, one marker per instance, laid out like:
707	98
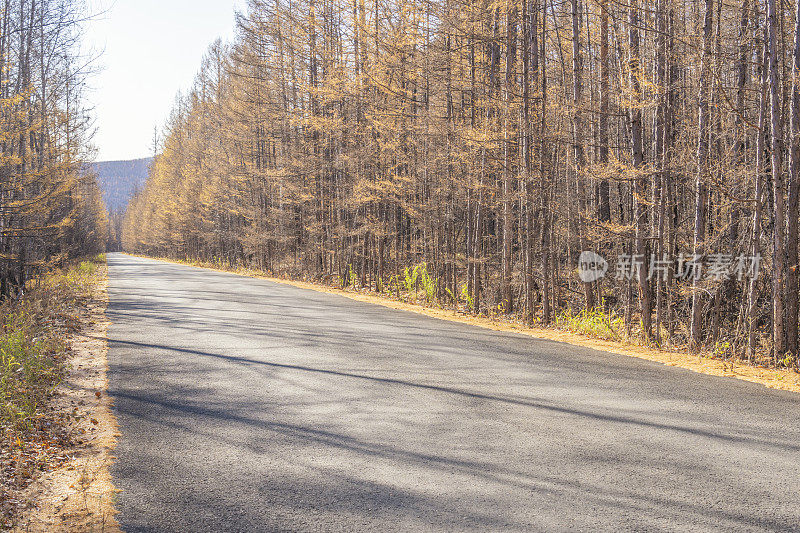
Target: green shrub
409	279
417	280
594	323
467	297
429	285
32	340
87	267
28	367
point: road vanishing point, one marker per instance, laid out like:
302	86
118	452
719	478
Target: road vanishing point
248	405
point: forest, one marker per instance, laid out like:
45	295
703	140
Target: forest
118	182
51	210
478	148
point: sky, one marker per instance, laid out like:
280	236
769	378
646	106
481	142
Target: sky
147	51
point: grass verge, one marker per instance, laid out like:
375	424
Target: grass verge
34	351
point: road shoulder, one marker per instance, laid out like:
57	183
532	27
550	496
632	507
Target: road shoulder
78	496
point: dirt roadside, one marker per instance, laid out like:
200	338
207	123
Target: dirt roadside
78	496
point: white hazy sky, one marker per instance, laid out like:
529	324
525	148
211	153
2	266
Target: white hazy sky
149	50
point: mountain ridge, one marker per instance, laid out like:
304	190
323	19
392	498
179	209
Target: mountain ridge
120	179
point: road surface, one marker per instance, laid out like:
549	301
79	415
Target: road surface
246	405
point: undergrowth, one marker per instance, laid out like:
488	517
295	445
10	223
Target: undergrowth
32	342
595	323
33	350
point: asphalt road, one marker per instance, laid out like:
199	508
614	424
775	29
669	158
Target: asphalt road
246	405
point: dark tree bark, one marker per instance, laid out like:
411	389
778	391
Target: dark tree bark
640	185
703	147
792	286
778	193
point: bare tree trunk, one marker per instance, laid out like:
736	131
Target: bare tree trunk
508	171
528	54
779	241
577	118
659	149
794	189
637	141
603	192
531	59
545	180
703	147
752	293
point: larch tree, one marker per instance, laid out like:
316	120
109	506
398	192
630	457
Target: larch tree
466	153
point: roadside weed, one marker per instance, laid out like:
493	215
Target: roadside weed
593	323
32	341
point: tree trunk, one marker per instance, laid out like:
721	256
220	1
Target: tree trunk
794	189
779	202
645	303
508	171
603	193
703	147
578	153
546	216
755	247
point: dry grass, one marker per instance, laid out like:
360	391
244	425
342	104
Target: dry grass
783	379
32	342
35	356
78	495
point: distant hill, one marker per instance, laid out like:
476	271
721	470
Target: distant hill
120	179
